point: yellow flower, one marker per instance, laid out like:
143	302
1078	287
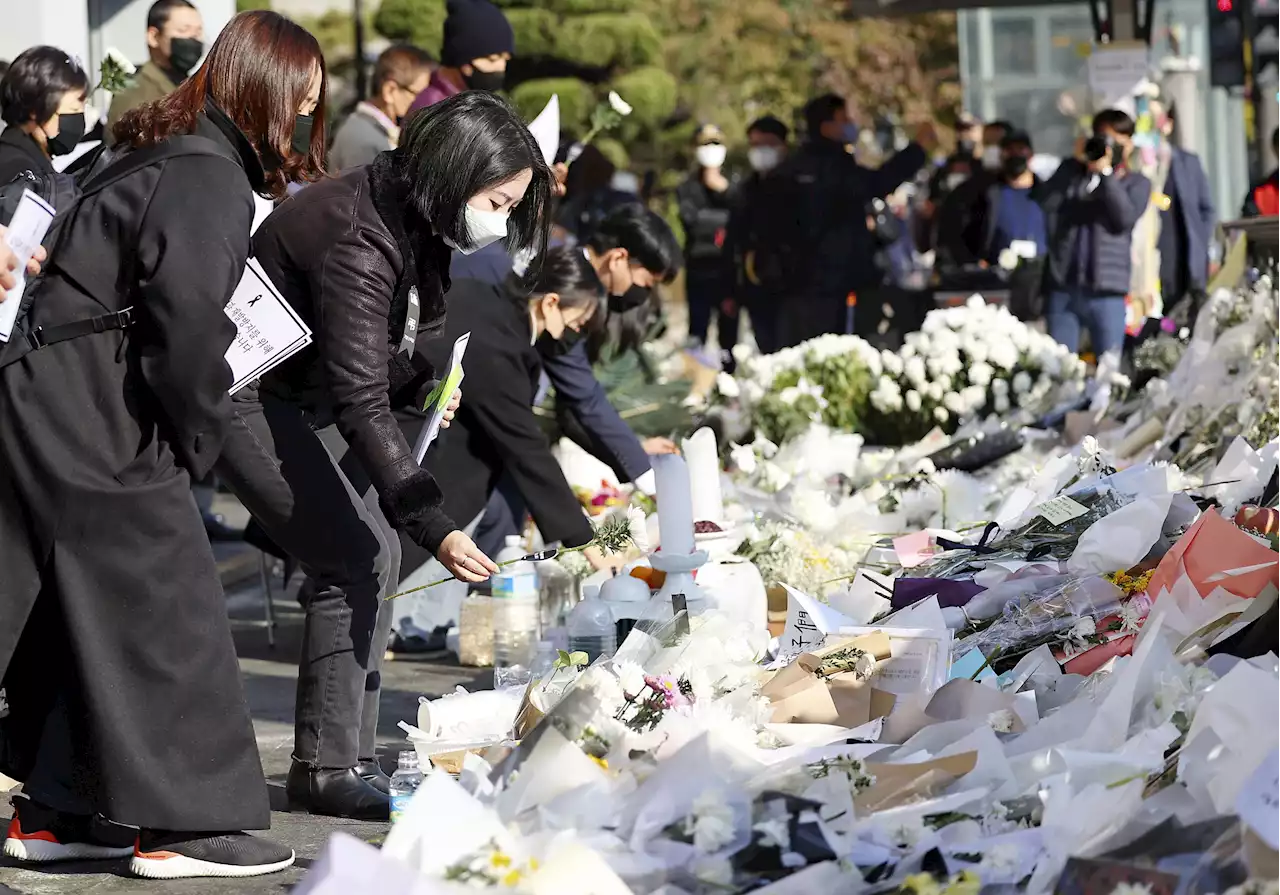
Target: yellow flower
533	864
966	882
921	884
512	879
498	859
604	763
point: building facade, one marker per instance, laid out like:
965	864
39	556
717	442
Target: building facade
86	29
1029	65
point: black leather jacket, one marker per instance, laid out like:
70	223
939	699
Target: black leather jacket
347	254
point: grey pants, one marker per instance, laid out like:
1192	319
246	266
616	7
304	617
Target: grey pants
313	500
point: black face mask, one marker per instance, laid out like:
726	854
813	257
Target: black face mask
70	130
551	347
184	53
302	125
485	80
634	297
1014	166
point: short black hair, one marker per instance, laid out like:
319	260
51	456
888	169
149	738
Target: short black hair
1115	120
158	14
565	271
1005	126
468	143
646	237
819	110
34	85
1016	138
770	125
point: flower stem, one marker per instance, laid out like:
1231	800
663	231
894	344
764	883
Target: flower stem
510	562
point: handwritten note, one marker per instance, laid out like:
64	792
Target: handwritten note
1259	801
268	330
1060	510
27	229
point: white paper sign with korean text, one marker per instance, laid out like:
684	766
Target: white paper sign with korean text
268	330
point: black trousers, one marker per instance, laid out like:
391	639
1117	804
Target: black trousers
312	498
705	292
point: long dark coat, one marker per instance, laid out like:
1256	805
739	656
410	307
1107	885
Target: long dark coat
110	603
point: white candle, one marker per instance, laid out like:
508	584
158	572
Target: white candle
675	507
704	475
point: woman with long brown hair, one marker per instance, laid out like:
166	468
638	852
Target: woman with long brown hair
123	691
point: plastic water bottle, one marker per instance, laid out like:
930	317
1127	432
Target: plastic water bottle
515	625
591	626
544	661
404	783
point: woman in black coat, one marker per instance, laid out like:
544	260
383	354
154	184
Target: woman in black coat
42	103
122	685
317	456
496	432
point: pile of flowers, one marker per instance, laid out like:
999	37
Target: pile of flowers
965	362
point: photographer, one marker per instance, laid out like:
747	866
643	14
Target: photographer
1091	205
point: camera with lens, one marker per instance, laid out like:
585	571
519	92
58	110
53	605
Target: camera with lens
1097	148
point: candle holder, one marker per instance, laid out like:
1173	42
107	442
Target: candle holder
679	569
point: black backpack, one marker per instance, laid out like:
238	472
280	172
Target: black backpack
65	191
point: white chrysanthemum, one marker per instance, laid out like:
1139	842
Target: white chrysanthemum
727	385
639	528
1002	721
1001	859
1021	382
891	362
980	373
774	832
619	105
714	871
1131	615
915	372
710	822
121	61
913	401
940	414
953	402
1004	355
630	677
1001	404
743	457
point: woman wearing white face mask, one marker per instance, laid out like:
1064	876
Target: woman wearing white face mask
705	200
316	454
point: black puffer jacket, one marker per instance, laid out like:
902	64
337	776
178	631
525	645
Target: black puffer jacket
350	254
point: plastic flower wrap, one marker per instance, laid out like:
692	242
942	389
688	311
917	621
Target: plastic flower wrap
1066	615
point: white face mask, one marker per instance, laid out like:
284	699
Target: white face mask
954	180
991	157
711	155
764	158
484	227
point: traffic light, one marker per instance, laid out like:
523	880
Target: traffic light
1226	43
1264	42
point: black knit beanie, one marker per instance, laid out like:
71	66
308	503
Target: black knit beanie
474	29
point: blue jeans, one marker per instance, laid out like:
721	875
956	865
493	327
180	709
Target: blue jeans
1102	314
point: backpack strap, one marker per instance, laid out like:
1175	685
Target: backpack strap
137	159
44	336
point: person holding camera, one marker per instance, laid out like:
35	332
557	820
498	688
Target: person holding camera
1091	205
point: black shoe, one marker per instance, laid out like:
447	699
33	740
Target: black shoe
40	835
215	526
337	792
413	644
160	855
372	773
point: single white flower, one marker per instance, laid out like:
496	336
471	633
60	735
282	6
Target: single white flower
940	414
774	833
1001	404
1131	615
743	457
630	677
619	105
710	822
913	401
121	61
638	528
907	833
1084	628
980	373
1002	721
1021	382
1008	259
727	385
793	860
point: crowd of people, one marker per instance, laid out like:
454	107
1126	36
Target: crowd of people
123	713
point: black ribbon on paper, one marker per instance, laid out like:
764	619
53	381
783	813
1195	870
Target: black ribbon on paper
979	548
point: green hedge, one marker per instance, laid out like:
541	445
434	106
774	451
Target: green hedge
419	22
652	93
576	100
535	32
608	40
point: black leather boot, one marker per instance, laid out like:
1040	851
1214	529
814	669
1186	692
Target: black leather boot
337	792
372	773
